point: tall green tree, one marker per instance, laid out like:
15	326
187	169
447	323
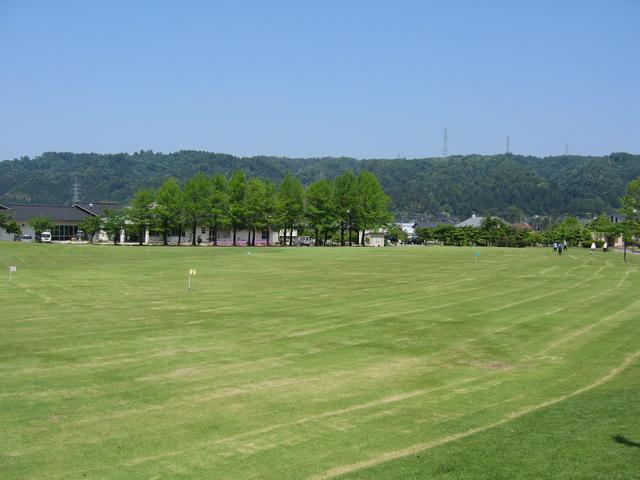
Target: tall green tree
444	233
424	234
630	208
13	228
114	223
197	201
219	207
168	209
269	209
142	213
4	219
237	205
493	230
291	204
603	226
372	210
631	199
9	224
90	225
395	234
571	230
346	202
254	205
321	208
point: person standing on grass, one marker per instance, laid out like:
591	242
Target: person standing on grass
605	247
555	247
593	247
560	248
564	245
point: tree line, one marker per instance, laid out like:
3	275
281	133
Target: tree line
327	209
348	206
494	231
509	186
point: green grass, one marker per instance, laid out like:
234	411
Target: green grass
311	363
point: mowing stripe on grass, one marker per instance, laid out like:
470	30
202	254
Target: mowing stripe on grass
405	452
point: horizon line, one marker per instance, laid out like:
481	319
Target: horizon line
450	155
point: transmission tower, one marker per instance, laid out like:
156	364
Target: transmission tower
445	146
76	192
508	149
566	149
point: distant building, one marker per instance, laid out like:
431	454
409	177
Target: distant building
65	218
205	235
616	218
409	229
473	221
428	224
375	238
523	226
99	209
476	221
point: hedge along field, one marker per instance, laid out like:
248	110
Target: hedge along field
318	363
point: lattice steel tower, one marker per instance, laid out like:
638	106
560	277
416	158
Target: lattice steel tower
76	192
445	143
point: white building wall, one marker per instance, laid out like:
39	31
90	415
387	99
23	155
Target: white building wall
376	240
225	237
26	230
373	239
4	235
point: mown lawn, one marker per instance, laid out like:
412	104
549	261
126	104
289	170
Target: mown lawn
318	363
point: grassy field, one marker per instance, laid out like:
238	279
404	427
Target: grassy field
318	363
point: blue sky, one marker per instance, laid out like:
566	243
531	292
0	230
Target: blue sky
367	79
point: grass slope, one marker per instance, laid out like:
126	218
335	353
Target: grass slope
317	363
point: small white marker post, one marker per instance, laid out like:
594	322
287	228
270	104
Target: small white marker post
192	271
12	269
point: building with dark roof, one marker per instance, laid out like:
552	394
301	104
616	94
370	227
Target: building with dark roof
472	221
476	221
65	218
98	209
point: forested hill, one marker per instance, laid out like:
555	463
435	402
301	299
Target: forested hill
498	184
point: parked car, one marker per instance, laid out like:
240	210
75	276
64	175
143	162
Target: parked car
303	241
45	237
23	238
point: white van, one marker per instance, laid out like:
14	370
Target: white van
45	237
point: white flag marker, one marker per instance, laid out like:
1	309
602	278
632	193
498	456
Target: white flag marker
192	271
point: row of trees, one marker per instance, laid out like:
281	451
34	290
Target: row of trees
325	209
350	205
495	232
